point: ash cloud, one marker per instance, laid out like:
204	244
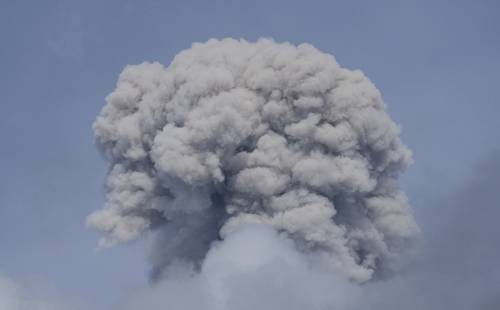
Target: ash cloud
234	133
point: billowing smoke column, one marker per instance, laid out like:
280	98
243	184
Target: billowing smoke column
234	133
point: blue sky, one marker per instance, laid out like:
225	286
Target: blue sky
435	62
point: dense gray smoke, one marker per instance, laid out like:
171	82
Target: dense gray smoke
233	133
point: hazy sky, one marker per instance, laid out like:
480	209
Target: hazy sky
435	62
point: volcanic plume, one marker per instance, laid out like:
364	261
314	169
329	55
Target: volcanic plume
235	133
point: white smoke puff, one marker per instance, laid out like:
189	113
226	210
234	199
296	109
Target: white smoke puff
14	296
10	297
254	268
233	132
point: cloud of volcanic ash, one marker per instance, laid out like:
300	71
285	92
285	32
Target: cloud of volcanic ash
234	133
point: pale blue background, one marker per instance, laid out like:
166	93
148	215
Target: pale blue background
436	63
